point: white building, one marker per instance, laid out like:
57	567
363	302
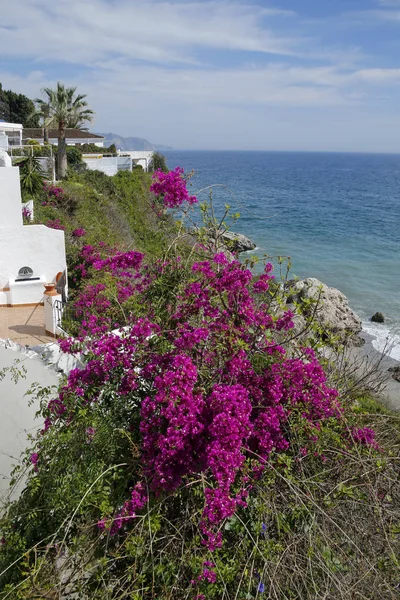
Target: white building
141	158
110	165
10	134
30	255
74	137
125	161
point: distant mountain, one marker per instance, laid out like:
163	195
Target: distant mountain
131	143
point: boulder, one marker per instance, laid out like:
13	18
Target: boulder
378	318
330	308
395	371
237	242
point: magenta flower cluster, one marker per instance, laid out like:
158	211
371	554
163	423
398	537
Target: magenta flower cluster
78	233
26	213
172	188
55	224
220	390
365	436
53	191
213	391
34	458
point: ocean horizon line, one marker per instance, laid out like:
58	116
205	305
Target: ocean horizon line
351	152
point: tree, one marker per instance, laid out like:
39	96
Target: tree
4	107
17	108
66	109
158	162
20	109
42	111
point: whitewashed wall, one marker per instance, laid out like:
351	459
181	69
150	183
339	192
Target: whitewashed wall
142	158
10	198
110	165
17	418
35	246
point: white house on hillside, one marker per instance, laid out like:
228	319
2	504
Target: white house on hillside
125	161
30	255
10	134
141	158
74	137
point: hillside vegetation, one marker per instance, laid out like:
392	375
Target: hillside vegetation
202	452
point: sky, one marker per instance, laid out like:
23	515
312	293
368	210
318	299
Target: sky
319	75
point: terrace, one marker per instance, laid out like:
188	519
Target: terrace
24	325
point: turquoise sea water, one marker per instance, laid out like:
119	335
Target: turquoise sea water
336	215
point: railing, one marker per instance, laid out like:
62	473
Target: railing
64	317
59	309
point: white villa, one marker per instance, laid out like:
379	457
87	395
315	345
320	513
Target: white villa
30	255
10	134
141	158
74	137
125	161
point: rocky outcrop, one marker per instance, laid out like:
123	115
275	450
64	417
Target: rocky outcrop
378	318
237	242
395	371
328	306
228	242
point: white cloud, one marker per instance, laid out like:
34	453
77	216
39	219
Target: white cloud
377	76
81	32
122	88
185	73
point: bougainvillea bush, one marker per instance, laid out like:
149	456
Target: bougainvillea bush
195	442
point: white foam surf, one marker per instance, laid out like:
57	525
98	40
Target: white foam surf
386	340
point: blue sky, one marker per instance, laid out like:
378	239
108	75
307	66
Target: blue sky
218	74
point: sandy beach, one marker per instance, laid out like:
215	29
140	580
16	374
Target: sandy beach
365	362
390	394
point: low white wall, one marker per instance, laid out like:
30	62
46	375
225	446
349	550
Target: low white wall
107	165
110	165
75	141
35	246
51	314
17	418
26	292
10	199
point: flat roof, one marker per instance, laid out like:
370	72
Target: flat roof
4	125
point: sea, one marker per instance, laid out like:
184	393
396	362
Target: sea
336	215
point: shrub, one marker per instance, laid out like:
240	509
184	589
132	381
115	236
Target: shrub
32	143
159	163
199	451
31	176
74	156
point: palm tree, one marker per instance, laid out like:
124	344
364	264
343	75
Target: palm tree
65	109
42	111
